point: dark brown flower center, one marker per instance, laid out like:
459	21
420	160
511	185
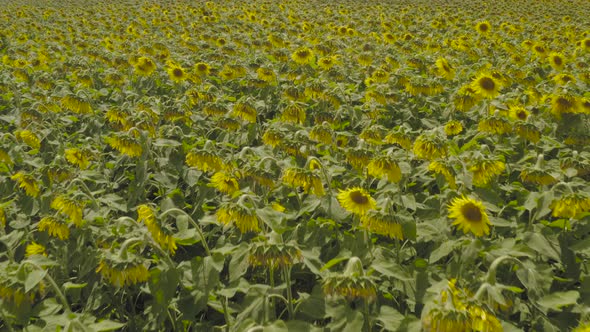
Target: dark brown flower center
521	115
471	212
177	72
484	28
487	83
564	102
358	197
557	60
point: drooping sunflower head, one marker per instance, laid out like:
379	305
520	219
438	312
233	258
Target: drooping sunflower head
303	56
470	216
453	127
356	200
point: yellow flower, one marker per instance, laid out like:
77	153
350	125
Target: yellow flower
125	145
75	104
565	103
453	127
2	218
202	69
321	133
557	61
27	182
5	158
439	167
266	74
327	62
384	166
245	219
427	147
358	158
494	125
225	183
77	157
166	241
245	111
129	275
483	27
294	113
444	69
35	248
356	200
466	98
383	224
54	228
570	205
517	112
29	138
485	170
486	86
204	161
69	207
308	180
303	56
470	216
176	73
145	66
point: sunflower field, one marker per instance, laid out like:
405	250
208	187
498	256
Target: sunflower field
398	165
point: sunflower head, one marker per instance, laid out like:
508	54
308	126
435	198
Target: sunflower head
486	86
470	216
483	27
356	200
303	56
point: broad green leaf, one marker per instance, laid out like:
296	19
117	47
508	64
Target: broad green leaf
558	300
33	278
442	251
390	318
106	325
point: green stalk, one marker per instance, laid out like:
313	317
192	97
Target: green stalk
287	277
58	291
192	221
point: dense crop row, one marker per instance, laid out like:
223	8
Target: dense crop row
306	165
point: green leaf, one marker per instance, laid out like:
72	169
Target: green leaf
33	278
559	299
106	325
391	318
442	251
541	244
71	285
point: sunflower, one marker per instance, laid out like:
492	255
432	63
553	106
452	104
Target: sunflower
327	62
245	111
120	275
564	79
485	170
517	112
358	158
294	113
483	28
145	66
384	166
466	98
78	157
70	207
527	131
486	86
244	218
147	215
537	176
29	138
266	74
570	205
429	147
494	125
381	223
356	200
453	128
321	133
125	145
564	103
273	255
440	167
205	161
470	216
35	248
224	182
303	56
202	69
444	69
54	228
176	73
27	182
308	180
557	61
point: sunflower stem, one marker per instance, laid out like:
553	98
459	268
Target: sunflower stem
54	285
194	223
287	277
